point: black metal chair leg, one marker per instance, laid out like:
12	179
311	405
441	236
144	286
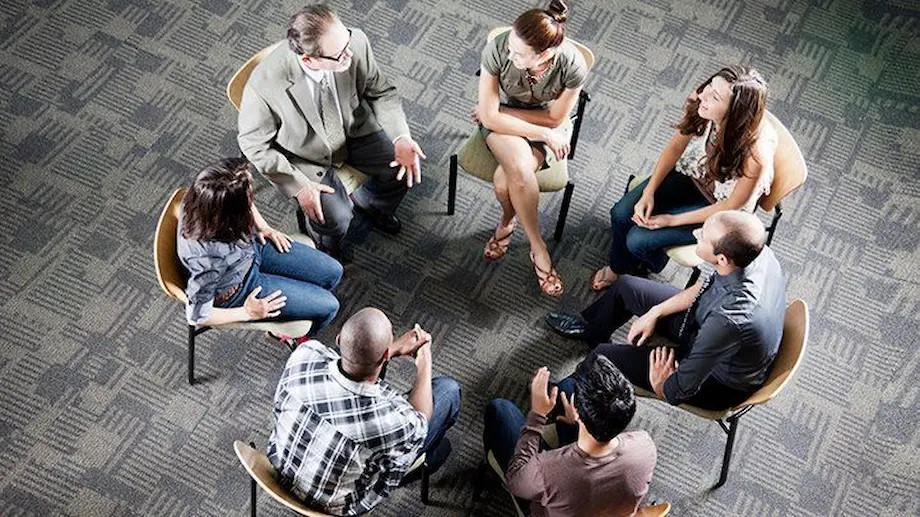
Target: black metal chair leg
425	480
252	490
694	276
191	353
564	210
729	444
452	185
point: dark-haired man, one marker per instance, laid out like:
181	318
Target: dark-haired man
598	469
727	326
319	101
344	438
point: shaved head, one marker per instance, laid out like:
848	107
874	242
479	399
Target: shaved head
738	235
364	340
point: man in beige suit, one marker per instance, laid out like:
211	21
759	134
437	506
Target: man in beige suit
320	102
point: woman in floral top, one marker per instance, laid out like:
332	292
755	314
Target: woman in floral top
721	158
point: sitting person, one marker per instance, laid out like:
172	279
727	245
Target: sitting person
221	241
721	158
727	326
343	437
540	75
598	468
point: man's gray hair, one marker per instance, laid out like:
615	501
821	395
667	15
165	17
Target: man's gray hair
306	27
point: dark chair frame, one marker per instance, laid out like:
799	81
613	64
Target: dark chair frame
583	99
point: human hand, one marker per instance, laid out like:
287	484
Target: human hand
407	158
661	366
261	308
423	357
309	199
280	240
474	114
642	328
655	222
540	402
557	142
644	207
410	342
570	416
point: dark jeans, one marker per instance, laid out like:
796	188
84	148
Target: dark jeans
304	275
446	396
370	154
633	246
632	296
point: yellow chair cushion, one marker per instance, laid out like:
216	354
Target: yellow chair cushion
685	255
476	158
352	178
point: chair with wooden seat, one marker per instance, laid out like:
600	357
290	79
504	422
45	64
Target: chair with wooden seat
264	475
351	178
790	173
476	158
787	361
173	277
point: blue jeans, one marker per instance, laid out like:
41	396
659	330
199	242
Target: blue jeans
445	392
632	246
306	276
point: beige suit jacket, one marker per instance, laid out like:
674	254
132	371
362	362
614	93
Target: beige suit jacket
280	129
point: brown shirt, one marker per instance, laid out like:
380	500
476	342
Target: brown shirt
567	481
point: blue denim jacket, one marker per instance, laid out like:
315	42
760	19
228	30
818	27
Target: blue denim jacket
213	267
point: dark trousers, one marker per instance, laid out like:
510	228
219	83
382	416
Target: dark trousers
634	247
445	393
370	154
632	296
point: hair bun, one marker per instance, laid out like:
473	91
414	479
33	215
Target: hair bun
558	10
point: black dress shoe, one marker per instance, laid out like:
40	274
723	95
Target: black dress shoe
387	223
572	326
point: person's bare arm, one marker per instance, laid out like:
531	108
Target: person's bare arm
558	110
421	397
492	118
666	161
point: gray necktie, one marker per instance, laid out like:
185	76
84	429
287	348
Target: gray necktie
332	122
706	282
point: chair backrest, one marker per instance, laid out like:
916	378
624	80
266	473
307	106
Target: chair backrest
170	273
241	77
655	510
788	357
789	168
261	470
585	51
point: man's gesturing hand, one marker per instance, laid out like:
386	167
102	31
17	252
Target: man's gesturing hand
540	402
309	200
407	158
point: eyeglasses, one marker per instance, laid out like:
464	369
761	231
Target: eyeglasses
341	54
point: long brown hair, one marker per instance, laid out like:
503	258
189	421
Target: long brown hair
541	29
218	206
738	132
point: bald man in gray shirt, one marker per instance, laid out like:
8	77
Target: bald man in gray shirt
728	326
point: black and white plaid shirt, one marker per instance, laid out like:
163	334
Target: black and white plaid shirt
340	445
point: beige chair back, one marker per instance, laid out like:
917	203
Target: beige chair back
170	273
585	51
655	510
261	470
789	168
241	77
788	357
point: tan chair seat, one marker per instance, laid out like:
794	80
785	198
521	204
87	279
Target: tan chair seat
476	158
685	255
352	178
263	472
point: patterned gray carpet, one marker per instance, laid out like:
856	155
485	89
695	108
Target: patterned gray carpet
106	106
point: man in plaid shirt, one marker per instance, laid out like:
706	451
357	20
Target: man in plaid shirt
343	437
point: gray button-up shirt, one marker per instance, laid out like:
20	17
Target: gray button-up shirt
740	324
213	268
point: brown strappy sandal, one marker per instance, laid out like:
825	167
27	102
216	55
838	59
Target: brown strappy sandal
550	282
497	248
600	281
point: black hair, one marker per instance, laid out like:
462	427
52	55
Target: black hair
604	398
